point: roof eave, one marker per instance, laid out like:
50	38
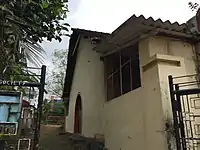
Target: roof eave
162	32
70	63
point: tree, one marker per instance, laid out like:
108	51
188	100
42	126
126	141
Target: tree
58	109
46	107
24	23
193	6
55	82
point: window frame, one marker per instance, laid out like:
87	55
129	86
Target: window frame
135	55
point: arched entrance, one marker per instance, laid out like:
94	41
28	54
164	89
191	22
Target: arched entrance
78	115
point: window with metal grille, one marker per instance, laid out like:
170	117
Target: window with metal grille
122	71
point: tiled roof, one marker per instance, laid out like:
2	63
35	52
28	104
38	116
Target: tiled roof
154	23
135	27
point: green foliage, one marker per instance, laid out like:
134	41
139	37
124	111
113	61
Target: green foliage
58	109
37	19
24	23
193	6
1	136
45	110
56	78
55	81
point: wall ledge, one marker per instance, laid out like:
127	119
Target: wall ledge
160	58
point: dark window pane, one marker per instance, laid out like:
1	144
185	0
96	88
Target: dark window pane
109	65
116	62
113	76
136	82
126	55
116	84
110	88
126	79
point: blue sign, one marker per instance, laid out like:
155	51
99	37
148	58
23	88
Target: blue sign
10	111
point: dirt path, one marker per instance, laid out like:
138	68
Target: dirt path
50	140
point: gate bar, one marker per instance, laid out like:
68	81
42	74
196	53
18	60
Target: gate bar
40	101
180	116
187	91
176	128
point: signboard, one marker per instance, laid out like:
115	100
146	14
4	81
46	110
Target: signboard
12	83
18	83
10	111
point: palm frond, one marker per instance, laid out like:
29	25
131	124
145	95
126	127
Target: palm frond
33	52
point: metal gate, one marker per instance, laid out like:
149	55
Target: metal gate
39	75
185	101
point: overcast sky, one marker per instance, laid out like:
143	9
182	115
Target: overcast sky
107	15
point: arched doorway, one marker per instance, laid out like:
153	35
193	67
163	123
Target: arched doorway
78	115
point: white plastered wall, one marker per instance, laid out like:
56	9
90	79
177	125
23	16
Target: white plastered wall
135	120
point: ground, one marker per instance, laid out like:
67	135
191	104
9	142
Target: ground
52	138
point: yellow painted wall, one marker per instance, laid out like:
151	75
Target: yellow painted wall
135	120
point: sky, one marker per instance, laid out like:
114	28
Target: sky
107	15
